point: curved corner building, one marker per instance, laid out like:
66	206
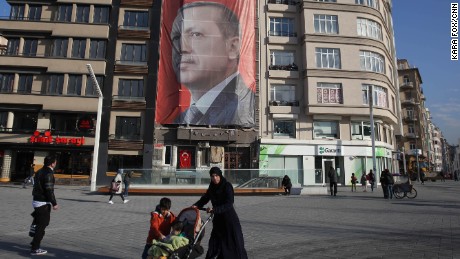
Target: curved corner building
322	64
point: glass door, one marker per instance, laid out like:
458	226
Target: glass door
327	163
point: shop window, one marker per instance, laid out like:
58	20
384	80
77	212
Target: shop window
128	128
284	128
325	129
25	122
73	163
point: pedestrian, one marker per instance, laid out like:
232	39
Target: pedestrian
364	181
116	188
384	183
422	177
332	174
30	177
456	175
161	220
443	178
390	183
126	182
371	179
287	185
43	200
226	239
353	181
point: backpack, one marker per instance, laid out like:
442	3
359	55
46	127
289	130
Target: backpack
115	187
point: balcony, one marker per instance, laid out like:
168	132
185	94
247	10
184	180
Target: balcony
407	85
410	118
283	5
284	103
409	101
411	135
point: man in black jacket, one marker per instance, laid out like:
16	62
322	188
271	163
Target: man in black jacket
43	200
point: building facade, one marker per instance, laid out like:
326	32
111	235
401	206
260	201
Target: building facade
322	64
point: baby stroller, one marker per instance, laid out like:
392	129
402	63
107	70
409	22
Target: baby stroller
194	230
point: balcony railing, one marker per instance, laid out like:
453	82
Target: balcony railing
411	135
282	33
409	101
129	98
407	85
286	2
291	67
284	103
410	118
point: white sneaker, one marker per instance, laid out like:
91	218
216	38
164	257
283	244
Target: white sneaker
125	201
111	202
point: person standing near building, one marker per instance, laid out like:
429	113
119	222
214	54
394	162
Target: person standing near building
364	181
353	182
30	178
371	179
43	201
333	178
126	182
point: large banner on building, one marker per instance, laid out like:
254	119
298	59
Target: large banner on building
207	63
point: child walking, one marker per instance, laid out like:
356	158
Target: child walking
353	181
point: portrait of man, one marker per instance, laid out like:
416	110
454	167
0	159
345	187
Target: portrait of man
205	58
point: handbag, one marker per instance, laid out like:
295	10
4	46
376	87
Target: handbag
115	186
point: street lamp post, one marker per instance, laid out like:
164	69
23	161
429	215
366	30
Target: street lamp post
98	128
371	108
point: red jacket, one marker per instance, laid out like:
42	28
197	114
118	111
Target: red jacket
159	224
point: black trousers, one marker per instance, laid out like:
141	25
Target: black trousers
333	187
41	219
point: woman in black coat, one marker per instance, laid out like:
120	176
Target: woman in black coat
226	239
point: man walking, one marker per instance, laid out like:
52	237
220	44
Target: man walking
43	200
333	181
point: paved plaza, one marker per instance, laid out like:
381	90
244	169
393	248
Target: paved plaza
351	225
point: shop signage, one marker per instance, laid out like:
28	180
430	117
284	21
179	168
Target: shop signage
47	138
329	150
85	124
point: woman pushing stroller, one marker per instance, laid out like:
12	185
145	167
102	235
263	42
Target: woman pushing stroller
226	239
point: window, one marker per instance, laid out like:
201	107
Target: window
281	26
63	123
372	61
328	58
12	48
411	129
30	47
284	128
25	121
35	12
410	113
54	85
6	83
128	128
369	28
329	93
74	85
131	87
136	19
101	14
412	146
64	13
361	130
406	80
370	3
282	94
133	53
60	47
83	13
326	24
393	103
3	120
97	49
25	83
325	129
17	12
78	48
379	96
91	90
282	60
168	155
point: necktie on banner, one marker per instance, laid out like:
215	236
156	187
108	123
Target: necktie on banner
193	115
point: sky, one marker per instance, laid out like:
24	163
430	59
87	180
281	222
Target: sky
422	35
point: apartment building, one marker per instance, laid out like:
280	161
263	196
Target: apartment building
418	136
322	64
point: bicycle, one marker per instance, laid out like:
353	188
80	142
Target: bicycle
402	190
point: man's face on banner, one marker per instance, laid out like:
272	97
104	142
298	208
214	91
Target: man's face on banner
202	55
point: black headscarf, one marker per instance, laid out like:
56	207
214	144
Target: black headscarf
220	187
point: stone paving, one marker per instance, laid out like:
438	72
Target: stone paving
351	225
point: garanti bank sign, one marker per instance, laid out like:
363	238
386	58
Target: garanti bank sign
329	150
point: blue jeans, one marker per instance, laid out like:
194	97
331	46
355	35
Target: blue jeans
390	191
125	191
